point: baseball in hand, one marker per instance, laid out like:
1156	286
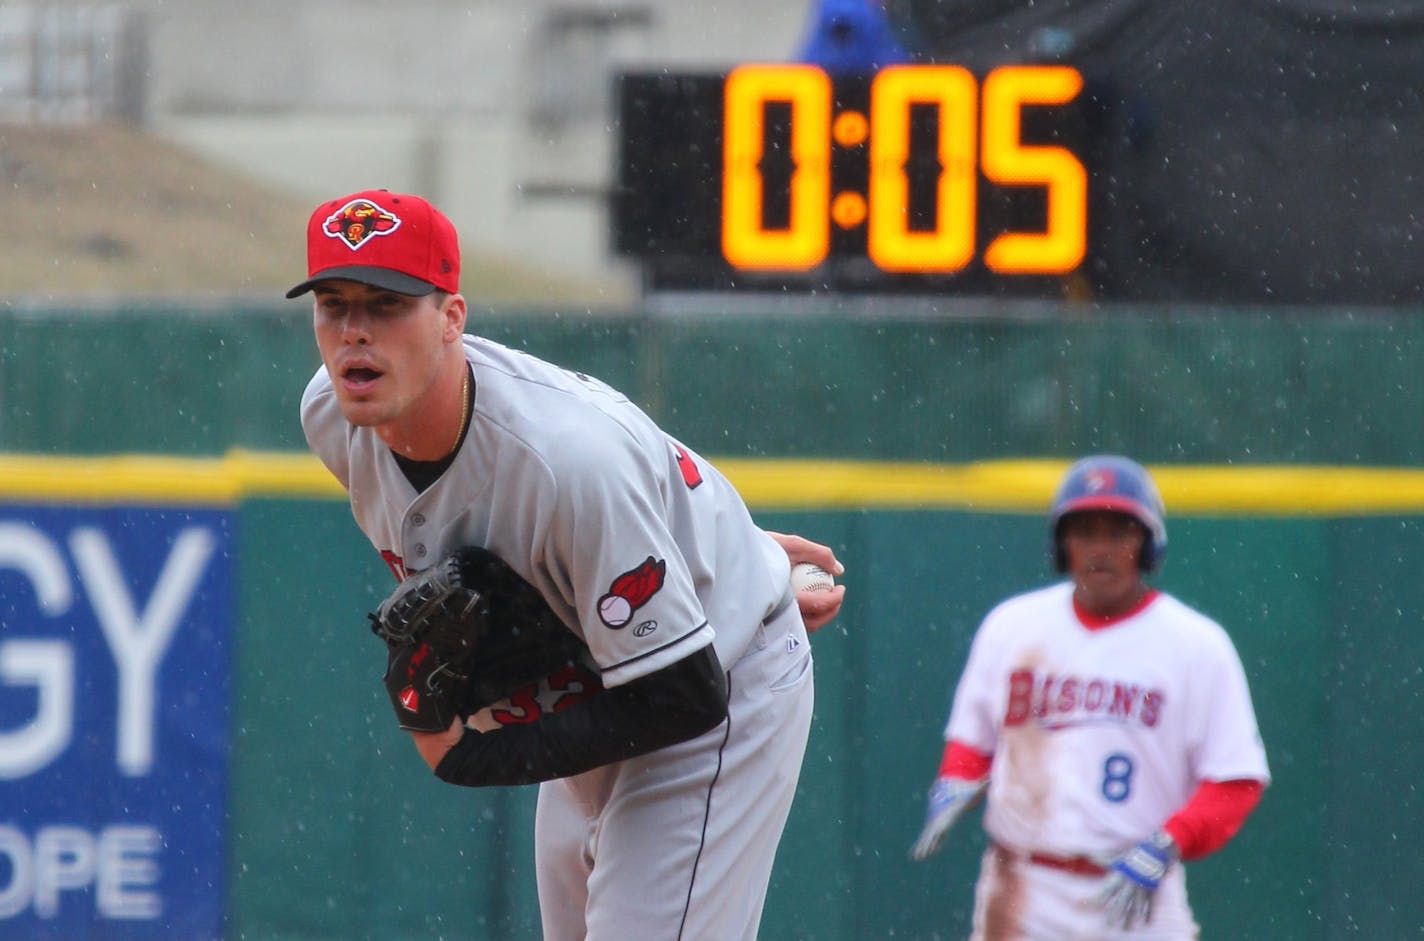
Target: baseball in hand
807	576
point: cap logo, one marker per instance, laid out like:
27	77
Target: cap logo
1100	480
359	221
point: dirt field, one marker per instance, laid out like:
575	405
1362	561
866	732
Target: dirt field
101	212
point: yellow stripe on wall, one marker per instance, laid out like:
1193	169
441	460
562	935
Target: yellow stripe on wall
147	479
1028	485
990	486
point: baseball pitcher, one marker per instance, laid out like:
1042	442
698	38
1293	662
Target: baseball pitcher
582	599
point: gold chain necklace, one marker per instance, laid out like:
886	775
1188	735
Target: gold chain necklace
464	408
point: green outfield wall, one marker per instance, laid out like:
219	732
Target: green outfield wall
924	450
947	384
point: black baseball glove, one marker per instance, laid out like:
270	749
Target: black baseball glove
464	633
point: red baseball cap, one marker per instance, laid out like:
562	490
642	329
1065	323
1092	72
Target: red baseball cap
388	240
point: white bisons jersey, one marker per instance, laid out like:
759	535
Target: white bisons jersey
1099	736
641	546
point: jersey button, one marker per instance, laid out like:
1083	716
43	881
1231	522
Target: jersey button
420	551
418	520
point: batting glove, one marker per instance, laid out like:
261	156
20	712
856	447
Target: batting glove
1133	879
949	799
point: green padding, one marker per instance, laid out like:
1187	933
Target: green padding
1166	386
1373	691
339	833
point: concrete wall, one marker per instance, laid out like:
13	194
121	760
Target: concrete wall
499	110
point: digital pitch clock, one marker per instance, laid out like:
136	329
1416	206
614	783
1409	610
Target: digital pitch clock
917	177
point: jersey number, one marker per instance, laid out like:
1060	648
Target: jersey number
557	692
1117	777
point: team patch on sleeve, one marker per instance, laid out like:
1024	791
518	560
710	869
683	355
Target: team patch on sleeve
630	591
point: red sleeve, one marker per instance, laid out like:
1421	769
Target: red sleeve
1213	815
965	763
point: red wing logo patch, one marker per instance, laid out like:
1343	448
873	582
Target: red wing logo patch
690	474
359	221
630	591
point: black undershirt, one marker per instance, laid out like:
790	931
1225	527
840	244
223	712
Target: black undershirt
671	705
422	474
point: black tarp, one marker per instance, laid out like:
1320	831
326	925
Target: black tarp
1263	152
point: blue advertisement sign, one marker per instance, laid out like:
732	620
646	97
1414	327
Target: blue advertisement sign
115	628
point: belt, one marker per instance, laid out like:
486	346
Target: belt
1077	865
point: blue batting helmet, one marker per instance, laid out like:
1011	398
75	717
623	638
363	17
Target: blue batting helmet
1110	482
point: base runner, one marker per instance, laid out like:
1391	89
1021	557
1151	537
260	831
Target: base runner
1108	725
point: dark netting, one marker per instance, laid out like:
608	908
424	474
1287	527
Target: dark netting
1262	151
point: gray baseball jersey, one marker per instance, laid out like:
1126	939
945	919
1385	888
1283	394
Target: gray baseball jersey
647	553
